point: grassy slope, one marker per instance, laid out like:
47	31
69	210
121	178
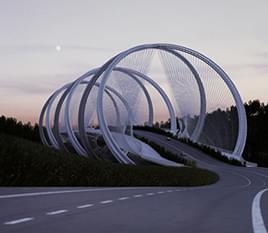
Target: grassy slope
25	163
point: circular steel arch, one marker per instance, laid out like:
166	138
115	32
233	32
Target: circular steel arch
108	67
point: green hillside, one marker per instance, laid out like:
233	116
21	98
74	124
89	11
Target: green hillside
26	163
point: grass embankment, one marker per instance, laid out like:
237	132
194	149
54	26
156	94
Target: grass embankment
167	154
204	148
25	163
212	152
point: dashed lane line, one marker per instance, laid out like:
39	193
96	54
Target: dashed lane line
138	195
84	206
122	198
149	194
17	221
56	212
106	202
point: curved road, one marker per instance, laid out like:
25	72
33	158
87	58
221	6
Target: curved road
237	203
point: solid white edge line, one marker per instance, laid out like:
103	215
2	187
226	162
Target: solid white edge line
56	212
84	206
67	191
17	221
260	174
257	219
245	177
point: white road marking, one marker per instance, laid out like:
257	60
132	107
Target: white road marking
85	206
122	198
245	177
56	212
106	202
66	191
160	192
260	174
17	221
149	194
169	191
138	195
257	219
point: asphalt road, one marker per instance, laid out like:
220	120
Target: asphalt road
237	203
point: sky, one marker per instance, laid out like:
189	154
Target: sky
44	44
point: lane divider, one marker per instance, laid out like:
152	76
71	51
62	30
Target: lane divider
57	212
19	221
138	195
106	202
122	198
149	194
84	206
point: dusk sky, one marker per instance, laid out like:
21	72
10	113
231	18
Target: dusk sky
45	44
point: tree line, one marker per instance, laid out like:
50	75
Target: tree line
256	149
225	133
12	126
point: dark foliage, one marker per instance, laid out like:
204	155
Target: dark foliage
257	140
25	163
11	126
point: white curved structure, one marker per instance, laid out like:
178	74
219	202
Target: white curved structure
115	140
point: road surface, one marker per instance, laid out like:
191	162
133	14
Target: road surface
237	203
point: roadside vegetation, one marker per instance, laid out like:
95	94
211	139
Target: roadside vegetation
178	158
26	163
256	149
211	152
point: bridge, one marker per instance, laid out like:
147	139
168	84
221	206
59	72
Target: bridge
94	115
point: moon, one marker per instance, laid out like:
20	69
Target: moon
58	48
